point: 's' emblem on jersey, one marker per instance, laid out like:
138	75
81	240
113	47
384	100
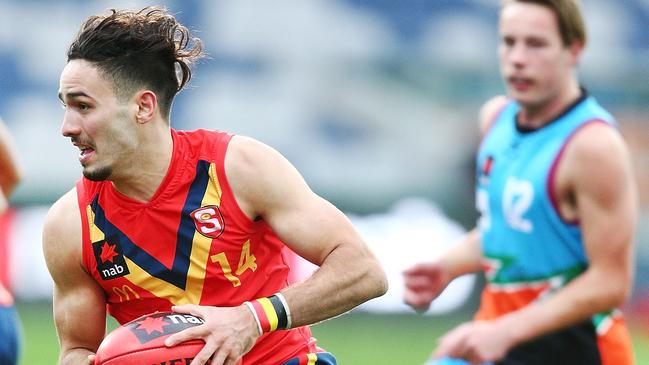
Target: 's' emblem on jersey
209	221
110	261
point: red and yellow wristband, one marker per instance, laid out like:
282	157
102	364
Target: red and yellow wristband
271	313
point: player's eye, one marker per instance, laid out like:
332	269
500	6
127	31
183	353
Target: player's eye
84	106
536	43
507	41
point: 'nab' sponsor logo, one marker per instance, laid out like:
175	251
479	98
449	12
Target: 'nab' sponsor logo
160	324
209	221
110	261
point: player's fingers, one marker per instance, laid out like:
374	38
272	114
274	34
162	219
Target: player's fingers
204	354
452	345
417	269
418	282
416	300
220	357
229	353
473	358
444	348
232	361
475	361
192	309
185	335
91	359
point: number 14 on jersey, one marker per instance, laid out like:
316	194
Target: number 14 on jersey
246	261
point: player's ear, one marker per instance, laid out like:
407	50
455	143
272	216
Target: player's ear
147	103
576	49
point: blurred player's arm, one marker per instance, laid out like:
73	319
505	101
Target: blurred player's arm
268	186
426	281
79	304
10	173
597	174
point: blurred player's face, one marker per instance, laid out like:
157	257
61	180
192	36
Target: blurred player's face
537	68
100	125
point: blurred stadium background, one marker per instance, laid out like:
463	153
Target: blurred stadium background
374	101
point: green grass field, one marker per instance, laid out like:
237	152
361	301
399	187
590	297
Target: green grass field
356	339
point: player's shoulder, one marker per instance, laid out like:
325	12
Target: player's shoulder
490	111
62	220
62	242
249	152
258	173
596	139
597	149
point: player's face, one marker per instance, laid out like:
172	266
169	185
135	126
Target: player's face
534	63
100	125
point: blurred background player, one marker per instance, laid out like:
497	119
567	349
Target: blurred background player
192	221
9	178
558	210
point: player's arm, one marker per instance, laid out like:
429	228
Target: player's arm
4	203
10	173
427	280
9	167
268	186
599	174
79	304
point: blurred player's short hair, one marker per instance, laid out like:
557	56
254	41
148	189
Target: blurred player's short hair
572	27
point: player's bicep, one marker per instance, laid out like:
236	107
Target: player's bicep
605	194
268	186
80	317
79	305
308	224
315	228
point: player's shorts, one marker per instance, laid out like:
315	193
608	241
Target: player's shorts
9	336
577	344
314	358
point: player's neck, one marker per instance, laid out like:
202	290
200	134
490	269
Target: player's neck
532	117
144	176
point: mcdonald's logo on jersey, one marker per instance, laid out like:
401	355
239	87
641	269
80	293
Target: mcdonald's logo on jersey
209	221
124	293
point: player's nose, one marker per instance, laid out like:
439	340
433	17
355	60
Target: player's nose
70	126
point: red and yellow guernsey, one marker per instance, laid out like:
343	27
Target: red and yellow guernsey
190	244
6	218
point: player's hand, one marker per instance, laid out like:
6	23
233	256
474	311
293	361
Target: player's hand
91	359
477	342
228	332
423	283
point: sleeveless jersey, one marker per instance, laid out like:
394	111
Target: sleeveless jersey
6	219
190	244
529	250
